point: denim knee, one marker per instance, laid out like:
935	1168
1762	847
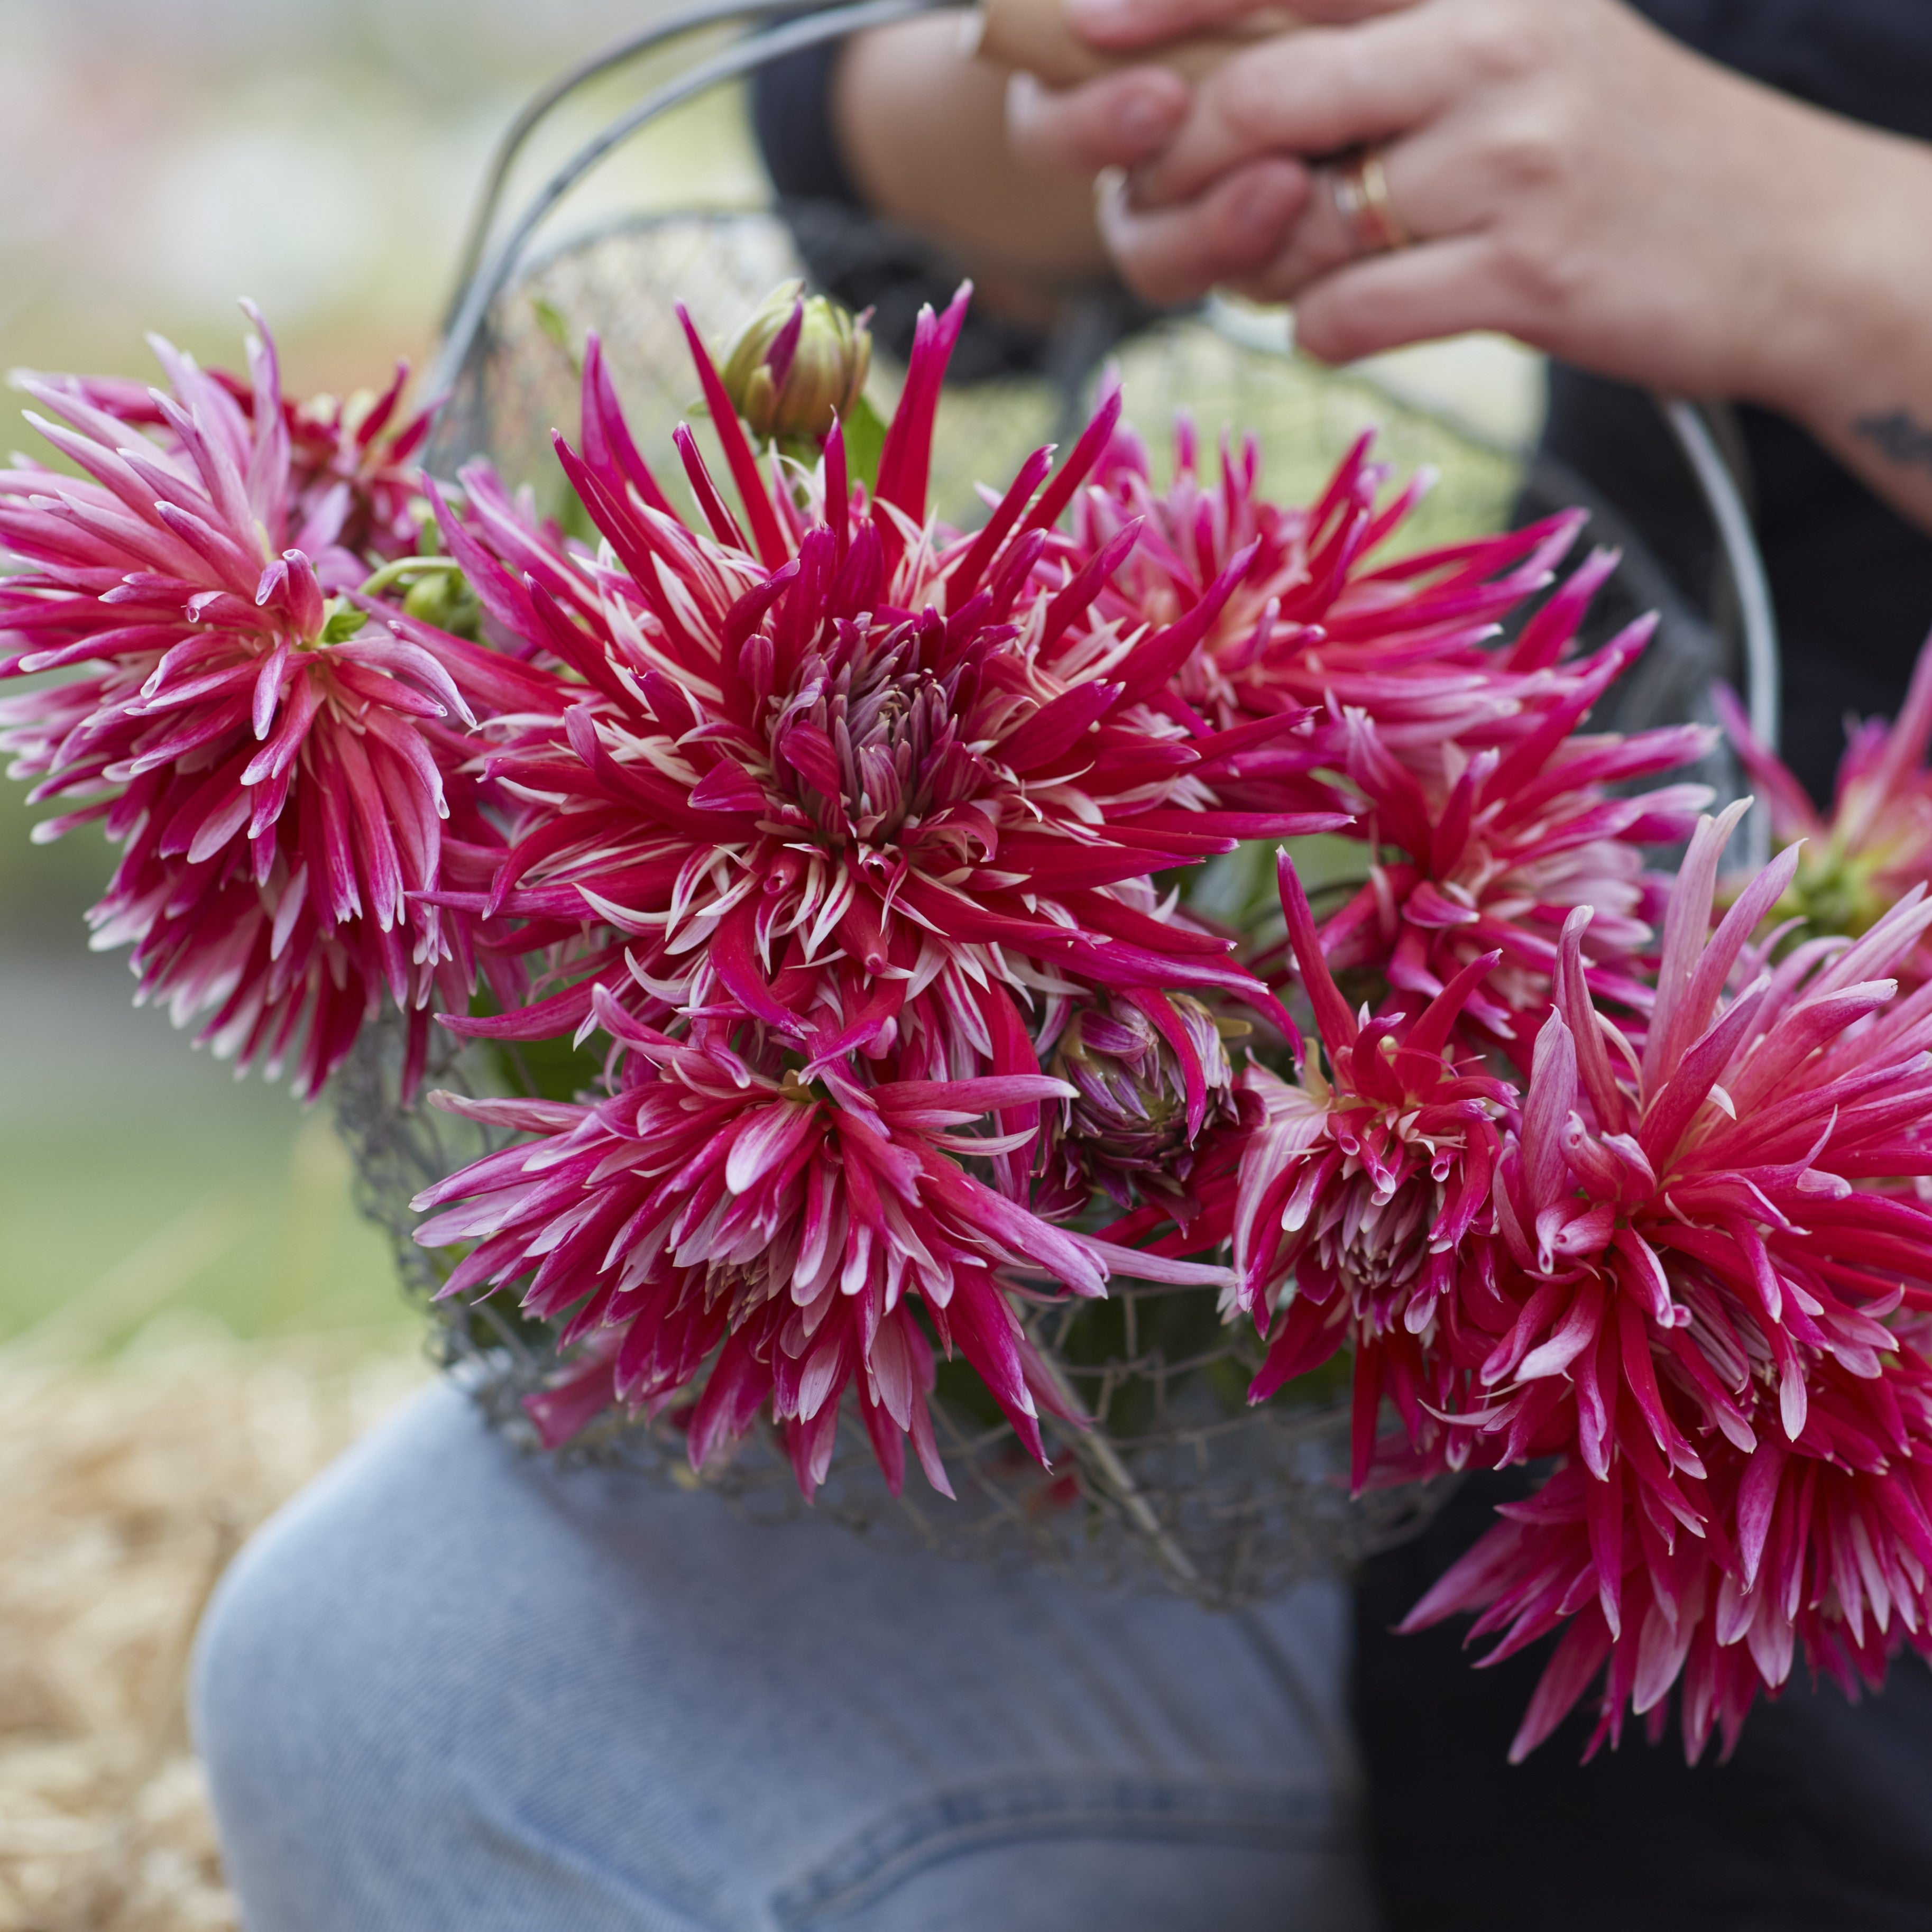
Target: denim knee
359	1712
450	1686
292	1711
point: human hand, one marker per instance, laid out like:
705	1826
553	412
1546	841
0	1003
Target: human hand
1109	120
1570	176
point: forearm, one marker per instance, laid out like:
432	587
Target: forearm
1859	373
921	126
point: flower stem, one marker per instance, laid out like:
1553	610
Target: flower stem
406	566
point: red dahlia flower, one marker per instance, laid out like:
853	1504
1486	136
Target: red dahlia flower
269	759
1497	846
1152	1089
785	1210
1364	1198
1700	1312
835	770
1311	623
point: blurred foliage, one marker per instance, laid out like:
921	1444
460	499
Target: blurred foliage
45	889
138	1178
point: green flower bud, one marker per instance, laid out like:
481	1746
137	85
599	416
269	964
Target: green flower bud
799	361
443	597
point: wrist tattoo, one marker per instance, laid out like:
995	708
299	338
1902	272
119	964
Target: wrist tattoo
1898	435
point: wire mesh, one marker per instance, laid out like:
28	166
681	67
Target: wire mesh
1177	1484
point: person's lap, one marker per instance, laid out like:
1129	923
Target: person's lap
450	1686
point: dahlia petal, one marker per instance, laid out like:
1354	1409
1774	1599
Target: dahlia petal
1686	922
905	459
562	1413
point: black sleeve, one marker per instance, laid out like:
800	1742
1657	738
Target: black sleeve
791	111
867	262
1819	1821
1870	59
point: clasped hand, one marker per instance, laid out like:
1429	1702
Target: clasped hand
1569	174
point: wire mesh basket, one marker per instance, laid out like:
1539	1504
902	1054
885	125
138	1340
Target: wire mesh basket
1177	1482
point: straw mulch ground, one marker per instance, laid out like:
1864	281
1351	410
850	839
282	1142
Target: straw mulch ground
123	1489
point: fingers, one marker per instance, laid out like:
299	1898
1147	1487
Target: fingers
1170	255
1381	302
1320	242
1111	123
1171	246
1312	93
1123	24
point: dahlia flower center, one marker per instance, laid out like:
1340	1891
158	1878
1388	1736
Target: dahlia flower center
742	1286
1837	890
1376	1239
868	747
1373	1229
1130	1104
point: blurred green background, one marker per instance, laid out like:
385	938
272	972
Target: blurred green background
159	159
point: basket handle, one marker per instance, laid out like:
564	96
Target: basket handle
483	270
1757	615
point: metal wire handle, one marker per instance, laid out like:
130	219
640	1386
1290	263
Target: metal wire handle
1757	615
483	271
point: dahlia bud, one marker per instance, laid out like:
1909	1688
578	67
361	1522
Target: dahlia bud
799	361
443	597
1125	1131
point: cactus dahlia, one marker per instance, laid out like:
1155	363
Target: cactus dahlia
1717	1273
276	765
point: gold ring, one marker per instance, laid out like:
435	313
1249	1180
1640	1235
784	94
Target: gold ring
1360	189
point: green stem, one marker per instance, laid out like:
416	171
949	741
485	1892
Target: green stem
406	566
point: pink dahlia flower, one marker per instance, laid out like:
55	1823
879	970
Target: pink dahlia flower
268	759
822	764
1312	622
353	490
1364	1211
1495	846
789	1218
1708	1254
1876	843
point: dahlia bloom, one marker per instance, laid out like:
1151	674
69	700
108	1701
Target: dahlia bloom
1152	1088
1364	1206
789	1218
268	759
1311	623
353	491
821	764
355	456
1708	1245
1497	846
1875	844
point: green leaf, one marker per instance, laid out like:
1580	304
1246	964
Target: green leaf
865	443
550	320
344	622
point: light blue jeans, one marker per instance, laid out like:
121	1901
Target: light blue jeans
450	1686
